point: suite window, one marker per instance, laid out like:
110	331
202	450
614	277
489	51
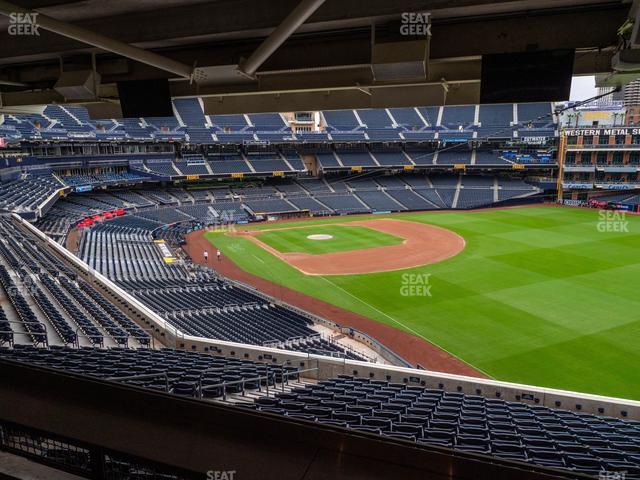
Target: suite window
617	158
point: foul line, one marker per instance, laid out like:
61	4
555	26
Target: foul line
406	327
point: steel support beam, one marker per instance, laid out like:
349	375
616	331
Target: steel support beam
9	83
100	41
297	17
341	98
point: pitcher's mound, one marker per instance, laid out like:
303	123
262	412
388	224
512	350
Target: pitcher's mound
320	236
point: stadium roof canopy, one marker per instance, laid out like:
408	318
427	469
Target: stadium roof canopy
257	55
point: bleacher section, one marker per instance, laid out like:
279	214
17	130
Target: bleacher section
190	111
458	116
230	166
496	114
267	122
379	201
199	135
392	159
212	206
422	157
407	118
486	157
457	156
103	178
196	303
27	193
265	164
270	206
162	167
474	198
230	122
343	204
430	115
311	204
341	120
580	443
262	145
71	312
537	113
420	124
629	198
375	118
412	200
356	159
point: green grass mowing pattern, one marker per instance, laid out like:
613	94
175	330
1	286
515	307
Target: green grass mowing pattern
345	238
538	295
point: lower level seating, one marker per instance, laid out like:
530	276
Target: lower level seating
411	200
6	332
174	371
582	443
475	198
343	204
379	201
578	442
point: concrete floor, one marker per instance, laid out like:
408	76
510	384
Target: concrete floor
15	467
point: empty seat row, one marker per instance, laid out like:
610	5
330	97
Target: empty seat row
578	442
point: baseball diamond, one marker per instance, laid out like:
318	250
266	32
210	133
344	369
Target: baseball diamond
534	288
311	239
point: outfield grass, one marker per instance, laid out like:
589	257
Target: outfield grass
538	296
345	238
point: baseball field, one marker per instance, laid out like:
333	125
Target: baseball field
336	238
548	296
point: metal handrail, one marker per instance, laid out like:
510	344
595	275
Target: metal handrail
142	377
200	388
285	380
84	335
31	334
380	345
224	385
115	337
11	340
152	343
349	348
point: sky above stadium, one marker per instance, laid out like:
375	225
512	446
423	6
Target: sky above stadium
583	88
